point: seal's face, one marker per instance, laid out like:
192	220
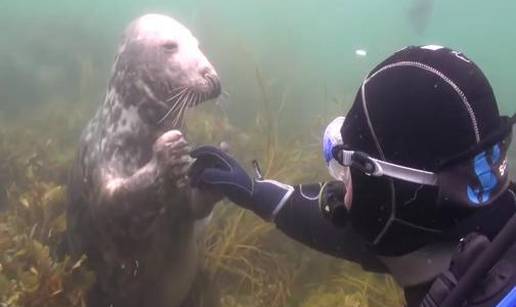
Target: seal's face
162	60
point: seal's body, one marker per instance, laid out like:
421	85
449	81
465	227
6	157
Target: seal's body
131	209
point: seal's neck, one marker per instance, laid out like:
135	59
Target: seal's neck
125	138
139	98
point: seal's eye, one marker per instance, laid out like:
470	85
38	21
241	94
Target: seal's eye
170	46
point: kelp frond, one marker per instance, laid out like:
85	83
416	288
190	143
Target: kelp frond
32	230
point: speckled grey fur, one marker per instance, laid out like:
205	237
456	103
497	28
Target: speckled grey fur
131	210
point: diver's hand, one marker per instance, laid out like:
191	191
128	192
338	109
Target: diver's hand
217	170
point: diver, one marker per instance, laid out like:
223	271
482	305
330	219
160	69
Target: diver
421	190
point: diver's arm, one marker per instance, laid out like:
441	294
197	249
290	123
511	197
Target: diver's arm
301	219
295	210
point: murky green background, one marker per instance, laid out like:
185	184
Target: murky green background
305	48
62	51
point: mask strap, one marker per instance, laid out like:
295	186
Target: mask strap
374	167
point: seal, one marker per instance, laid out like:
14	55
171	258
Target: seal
131	209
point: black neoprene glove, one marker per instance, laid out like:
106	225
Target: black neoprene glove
217	170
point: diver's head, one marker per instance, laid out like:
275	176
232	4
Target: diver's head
426	145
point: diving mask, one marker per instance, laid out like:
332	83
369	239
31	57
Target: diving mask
472	181
332	194
332	139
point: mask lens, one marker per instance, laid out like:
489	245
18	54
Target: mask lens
331	140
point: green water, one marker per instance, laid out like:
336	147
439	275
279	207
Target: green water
62	51
307	46
305	49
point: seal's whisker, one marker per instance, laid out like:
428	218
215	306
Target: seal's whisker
182	105
173	90
179	91
191	102
168	113
178	96
191	95
179	118
174	106
184	101
196	99
181	101
187	105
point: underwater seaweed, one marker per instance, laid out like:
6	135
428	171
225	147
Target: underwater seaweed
246	259
235	255
376	289
33	226
255	263
349	285
30	276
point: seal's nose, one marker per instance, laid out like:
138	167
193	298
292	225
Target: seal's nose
214	87
205	71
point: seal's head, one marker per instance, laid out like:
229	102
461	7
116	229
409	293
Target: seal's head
160	70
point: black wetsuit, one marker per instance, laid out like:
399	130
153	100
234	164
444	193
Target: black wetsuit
301	219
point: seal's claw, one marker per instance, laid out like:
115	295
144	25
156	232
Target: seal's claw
171	151
171	135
